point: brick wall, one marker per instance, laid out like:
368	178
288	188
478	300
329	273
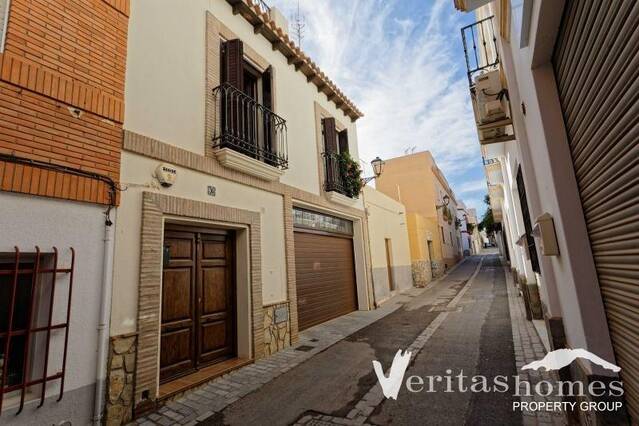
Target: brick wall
62	93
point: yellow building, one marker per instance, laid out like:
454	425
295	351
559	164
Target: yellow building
417	182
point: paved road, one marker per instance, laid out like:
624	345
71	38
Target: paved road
475	337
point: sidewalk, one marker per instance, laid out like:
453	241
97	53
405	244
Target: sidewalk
200	403
528	348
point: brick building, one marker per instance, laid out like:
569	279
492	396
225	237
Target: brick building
62	66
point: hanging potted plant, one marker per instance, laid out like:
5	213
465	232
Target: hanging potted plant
351	174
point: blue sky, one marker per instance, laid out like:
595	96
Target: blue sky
402	63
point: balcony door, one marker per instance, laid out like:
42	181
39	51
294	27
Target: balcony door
250	119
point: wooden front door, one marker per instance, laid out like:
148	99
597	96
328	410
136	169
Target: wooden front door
198	300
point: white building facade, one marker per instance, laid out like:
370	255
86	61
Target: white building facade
237	227
560	168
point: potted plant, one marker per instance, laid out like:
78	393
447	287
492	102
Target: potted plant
351	174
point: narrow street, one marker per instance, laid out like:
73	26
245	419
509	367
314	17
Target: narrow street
459	324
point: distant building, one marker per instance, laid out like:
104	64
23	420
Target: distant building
431	206
464	234
475	236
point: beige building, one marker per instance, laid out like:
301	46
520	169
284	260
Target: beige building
416	181
476	241
560	157
237	227
389	247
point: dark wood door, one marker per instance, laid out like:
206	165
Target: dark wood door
198	303
325	275
216	301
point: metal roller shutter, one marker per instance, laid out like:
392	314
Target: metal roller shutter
596	62
325	275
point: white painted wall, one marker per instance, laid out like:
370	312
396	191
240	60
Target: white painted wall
27	221
387	219
166	88
137	176
568	282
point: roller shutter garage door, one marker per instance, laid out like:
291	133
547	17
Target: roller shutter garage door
325	272
596	62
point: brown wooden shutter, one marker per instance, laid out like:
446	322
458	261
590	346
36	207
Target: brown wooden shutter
596	63
234	71
267	88
343	141
330	135
269	125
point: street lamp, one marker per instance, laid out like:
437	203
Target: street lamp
446	200
378	167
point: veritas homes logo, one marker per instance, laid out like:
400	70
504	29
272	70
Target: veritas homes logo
554	360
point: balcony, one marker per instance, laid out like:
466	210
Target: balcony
489	94
249	137
335	181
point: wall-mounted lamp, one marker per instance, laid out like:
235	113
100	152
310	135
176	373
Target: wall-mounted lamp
446	200
378	168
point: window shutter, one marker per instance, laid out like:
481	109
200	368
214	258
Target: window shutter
267	88
530	240
267	101
234	70
343	141
330	135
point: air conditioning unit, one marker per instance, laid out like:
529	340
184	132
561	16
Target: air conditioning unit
492	105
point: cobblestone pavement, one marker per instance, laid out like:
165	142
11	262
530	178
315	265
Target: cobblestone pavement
203	402
528	348
207	403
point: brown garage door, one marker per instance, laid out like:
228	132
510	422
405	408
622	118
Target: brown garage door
325	272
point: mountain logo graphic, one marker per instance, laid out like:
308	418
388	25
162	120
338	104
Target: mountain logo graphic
560	358
391	384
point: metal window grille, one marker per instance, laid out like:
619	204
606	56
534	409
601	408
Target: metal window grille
21	280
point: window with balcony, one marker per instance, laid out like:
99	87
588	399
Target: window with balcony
336	153
489	94
249	135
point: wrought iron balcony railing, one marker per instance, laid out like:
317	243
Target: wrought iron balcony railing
480	48
249	128
334	179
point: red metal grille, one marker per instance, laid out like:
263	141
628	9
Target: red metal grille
41	278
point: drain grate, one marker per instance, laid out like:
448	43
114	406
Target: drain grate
305	348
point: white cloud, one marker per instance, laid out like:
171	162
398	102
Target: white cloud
402	70
473	186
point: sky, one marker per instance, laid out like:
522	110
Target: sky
402	63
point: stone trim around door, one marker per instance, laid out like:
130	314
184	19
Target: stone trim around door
154	207
152	148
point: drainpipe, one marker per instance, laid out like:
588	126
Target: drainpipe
103	324
372	300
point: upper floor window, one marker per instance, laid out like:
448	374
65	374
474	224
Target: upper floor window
244	103
336	152
4	20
